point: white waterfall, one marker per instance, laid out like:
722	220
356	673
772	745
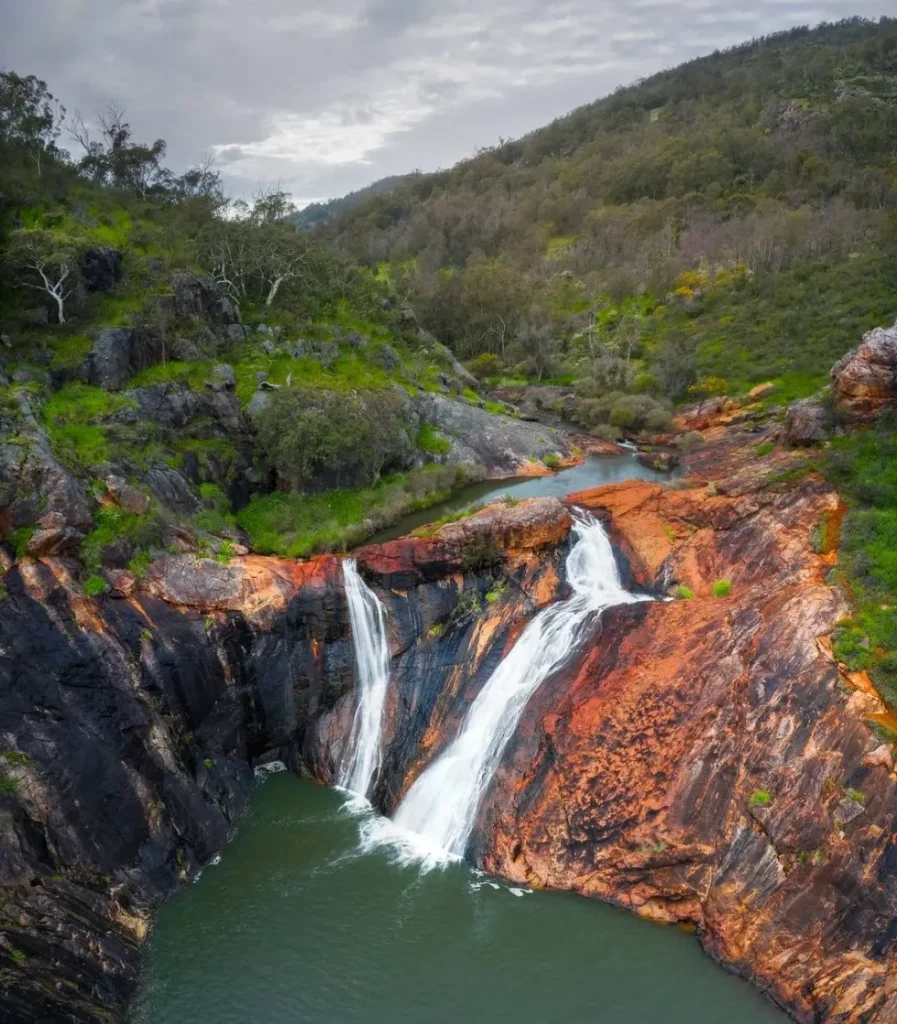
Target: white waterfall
367	616
434	821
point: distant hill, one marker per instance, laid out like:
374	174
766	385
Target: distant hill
316	214
732	217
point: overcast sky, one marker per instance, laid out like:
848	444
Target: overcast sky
328	97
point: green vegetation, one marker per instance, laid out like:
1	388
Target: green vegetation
721	588
296	525
14	757
683	593
863	467
764	449
72	416
855	795
429	440
552	461
17	956
760	798
146	634
307	434
112	524
95	586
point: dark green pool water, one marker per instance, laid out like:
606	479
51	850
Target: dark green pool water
294	926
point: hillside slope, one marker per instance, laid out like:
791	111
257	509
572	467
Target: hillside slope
732	217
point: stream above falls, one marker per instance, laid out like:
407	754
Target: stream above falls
295	925
594	471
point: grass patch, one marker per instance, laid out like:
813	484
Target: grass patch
683	593
764	449
72	416
69	353
721	588
296	525
760	798
429	440
863	467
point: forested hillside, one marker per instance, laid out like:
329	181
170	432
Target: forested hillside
316	214
732	218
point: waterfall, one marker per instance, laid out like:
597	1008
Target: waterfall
367	616
434	821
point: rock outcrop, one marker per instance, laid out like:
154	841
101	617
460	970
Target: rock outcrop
808	422
864	382
505	446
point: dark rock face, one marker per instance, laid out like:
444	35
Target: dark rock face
33	484
134	725
109	361
101	269
198	297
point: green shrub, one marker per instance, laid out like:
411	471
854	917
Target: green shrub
721	588
764	449
95	586
760	798
429	440
683	593
307	433
486	364
552	461
480	553
112	523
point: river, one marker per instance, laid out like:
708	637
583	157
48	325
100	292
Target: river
294	925
594	471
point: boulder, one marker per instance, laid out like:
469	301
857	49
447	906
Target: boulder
761	391
195	296
108	363
101	269
126	496
663	462
54	537
235	333
167	404
257	403
864	382
223	374
807	422
173	490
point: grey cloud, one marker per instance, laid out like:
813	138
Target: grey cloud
329	97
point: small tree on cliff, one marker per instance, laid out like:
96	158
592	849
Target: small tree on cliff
47	261
708	387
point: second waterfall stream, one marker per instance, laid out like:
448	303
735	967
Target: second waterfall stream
433	823
367	616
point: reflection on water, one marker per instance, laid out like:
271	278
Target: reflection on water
295	925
